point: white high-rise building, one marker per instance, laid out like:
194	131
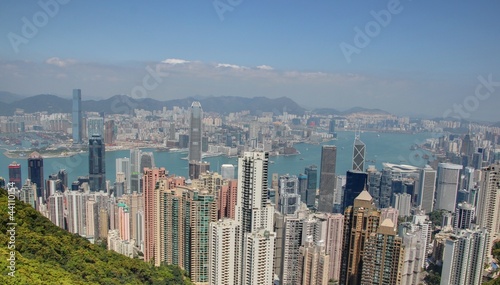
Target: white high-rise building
56	209
488	206
426	190
464	257
448	179
255	214
224	254
258	249
123	166
402	202
413	262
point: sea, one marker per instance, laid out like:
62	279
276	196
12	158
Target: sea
380	147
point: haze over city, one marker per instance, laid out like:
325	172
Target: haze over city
406	57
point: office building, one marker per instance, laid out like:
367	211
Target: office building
135	171
76	124
97	164
427	189
95	127
35	175
358	157
312	185
448	178
147	161
195	132
289	197
327	178
196	168
123	166
15	174
355	184
28	193
402	202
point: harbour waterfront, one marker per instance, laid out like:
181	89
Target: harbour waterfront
380	147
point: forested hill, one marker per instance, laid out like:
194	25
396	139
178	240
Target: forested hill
46	254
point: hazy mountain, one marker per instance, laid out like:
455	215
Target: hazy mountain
125	104
7	97
331	111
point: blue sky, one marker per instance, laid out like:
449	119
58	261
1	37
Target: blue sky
429	51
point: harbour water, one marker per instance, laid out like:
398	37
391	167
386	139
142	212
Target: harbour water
380	147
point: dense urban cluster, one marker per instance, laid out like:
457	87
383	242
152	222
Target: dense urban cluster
398	225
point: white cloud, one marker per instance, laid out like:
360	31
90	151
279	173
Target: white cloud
233	66
265	67
175	61
60	62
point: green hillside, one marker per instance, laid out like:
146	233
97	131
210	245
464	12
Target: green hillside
46	254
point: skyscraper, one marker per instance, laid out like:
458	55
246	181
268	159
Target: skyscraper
358	157
147	161
195	132
464	215
151	176
464	257
257	259
35	175
327	178
312	186
56	209
15	174
448	178
135	171
255	214
289	197
360	220
427	188
383	257
97	166
95	126
76	124
488	206
123	166
355	184
225	252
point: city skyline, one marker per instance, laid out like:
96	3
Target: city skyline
372	55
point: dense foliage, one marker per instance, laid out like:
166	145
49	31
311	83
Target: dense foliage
46	254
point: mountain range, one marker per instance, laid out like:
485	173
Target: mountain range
125	104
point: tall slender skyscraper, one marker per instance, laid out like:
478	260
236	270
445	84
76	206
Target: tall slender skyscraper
76	124
358	158
255	214
427	189
360	221
147	160
15	174
97	164
289	197
327	178
35	175
195	132
488	206
448	178
312	186
151	211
